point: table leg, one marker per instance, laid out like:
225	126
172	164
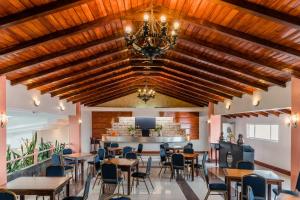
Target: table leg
22	197
76	170
269	191
211	154
216	155
68	189
193	166
228	182
82	169
128	180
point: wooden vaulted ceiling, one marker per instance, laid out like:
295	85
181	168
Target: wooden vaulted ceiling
75	49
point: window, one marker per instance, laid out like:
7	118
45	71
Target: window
263	131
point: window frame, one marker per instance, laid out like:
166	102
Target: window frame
249	136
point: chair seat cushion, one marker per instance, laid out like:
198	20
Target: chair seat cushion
73	198
67	167
276	192
217	186
139	175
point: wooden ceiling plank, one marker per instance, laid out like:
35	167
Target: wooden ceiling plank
262	11
54	55
219	73
265	114
250	59
68	65
74	74
200	58
285	111
38	11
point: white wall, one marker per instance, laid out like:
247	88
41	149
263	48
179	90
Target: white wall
274	153
276	97
86	130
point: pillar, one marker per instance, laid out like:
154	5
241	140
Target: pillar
295	132
3	174
75	130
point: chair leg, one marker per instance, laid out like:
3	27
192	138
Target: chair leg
207	194
95	180
150	182
160	170
123	187
146	186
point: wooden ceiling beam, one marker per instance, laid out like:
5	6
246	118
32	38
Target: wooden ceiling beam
273	112
194	85
64	66
262	11
265	114
253	114
216	72
79	93
90	86
173	86
68	87
185	40
38	11
106	67
206	60
51	56
285	111
189	87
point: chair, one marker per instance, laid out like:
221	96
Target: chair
86	190
294	193
142	176
101	153
250	195
213	188
56	160
7	195
258	185
55	171
93	163
163	161
243	165
109	173
114	145
188	146
140	151
188	150
126	150
131	155
177	164
68	161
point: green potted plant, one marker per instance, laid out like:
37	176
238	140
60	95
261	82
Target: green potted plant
131	130
158	129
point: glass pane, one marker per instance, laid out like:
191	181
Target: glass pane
250	130
275	132
262	132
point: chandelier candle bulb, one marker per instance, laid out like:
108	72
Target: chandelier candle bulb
128	29
163	19
146	17
176	25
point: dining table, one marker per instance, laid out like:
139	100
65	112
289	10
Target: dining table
114	150
127	164
236	175
40	186
79	158
192	157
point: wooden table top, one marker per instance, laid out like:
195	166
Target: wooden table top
36	183
239	173
114	148
78	155
283	196
190	155
123	161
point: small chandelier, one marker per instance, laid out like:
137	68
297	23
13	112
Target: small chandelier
146	94
153	37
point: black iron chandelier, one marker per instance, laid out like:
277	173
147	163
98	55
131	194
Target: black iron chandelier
153	38
145	94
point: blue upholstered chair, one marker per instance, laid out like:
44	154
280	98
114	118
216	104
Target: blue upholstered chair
68	161
250	194
94	163
109	173
213	188
114	145
126	150
55	171
140	152
177	164
164	163
142	176
258	185
188	150
7	195
86	191
56	160
131	155
101	153
294	193
243	165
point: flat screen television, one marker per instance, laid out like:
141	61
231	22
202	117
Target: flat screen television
145	123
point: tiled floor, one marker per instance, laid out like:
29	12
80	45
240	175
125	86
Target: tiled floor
165	189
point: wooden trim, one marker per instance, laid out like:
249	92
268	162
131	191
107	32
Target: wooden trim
272	167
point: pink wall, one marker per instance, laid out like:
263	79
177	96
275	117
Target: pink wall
75	130
295	134
3	174
215	123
